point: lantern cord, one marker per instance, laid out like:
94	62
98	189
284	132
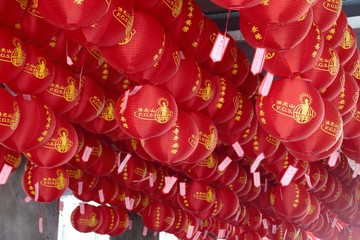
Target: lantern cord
227	22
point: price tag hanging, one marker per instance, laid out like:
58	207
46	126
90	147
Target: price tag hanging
258	61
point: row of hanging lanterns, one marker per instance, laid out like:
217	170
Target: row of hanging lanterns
138	106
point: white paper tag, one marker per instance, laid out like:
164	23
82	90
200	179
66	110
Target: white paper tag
197	235
224	164
118	159
130	225
258	61
135	90
221	233
265	85
36	191
190	231
129	203
274	229
333	224
356	170
333	159
206	232
236	237
5	173
182	189
308	181
27	97
124	162
169	184
124	103
265	224
257	162
218	50
237	215
151	179
238	149
82	208
41	225
80	188
101	195
86	155
288	175
145	231
69	61
257	180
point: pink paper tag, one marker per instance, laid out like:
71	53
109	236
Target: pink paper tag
356	170
61	205
124	162
101	195
182	56
80	188
36	191
238	149
256	177
190	231
135	90
236	237
274	229
333	224
206	232
288	175
197	235
27	97
151	179
86	155
130	225
41	225
265	224
266	84
182	189
155	234
308	181
258	61
221	233
224	164
69	61
334	158
145	231
237	215
124	103
218	50
5	173
27	199
82	208
118	159
257	162
169	184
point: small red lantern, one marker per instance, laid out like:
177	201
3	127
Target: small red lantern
240	181
133	171
106	164
10	114
292	111
60	148
146	111
336	87
11	11
347	45
158	216
351	129
73	14
141	49
312	214
327	190
108	77
110	220
325	13
239	70
204	168
230	203
180	221
251	84
167	11
105	191
192	227
126	198
45	184
12	61
224	177
124	221
86	218
80	181
9	158
353	64
336	32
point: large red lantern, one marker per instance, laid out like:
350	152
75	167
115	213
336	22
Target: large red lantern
176	144
37	74
86	218
281	37
292	111
112	28
141	49
60	148
45	184
158	216
36	125
347	45
180	88
236	4
10	114
299	59
11	11
12	59
73	14
63	92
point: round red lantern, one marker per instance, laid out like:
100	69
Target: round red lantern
126	198
336	87
86	60
230	203
252	219
336	32
63	92
124	221
133	171
9	158
80	181
11	11
12	60
141	49
73	14
107	76
204	168
180	221
60	148
86	218
239	70
192	227
327	189
351	129
105	191
106	164
110	220
312	214
226	176
176	144
45	184
325	13
36	125
299	59
353	64
292	111
112	28
236	4
347	45
158	216
167	12
10	113
251	84
240	181
146	111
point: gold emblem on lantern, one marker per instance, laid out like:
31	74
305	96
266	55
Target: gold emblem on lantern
175	6
12	160
332	128
24	3
269	55
348	41
207	92
163	114
79	2
18	54
334	64
208	162
97	55
70	91
40	70
208	196
62	144
59	183
209	140
303	113
356	73
91	222
332	5
127	20
108	113
10	119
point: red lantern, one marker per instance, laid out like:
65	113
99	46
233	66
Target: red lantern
86	218
133	171
63	92
224	177
312	214
45	185
251	84
60	148
167	11
290	201
10	114
299	59
106	164
110	220
336	32
204	168
176	144
124	221
230	203
13	61
252	219
180	221
278	37
236	4
327	190
36	125
326	13
184	90
240	181
353	64
71	15
336	87
112	28
80	181
292	111
158	217
225	103
105	191
86	60
207	138
239	70
192	227
11	11
187	26
351	129
107	76
126	198
141	49
349	232
272	12
347	45
146	111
